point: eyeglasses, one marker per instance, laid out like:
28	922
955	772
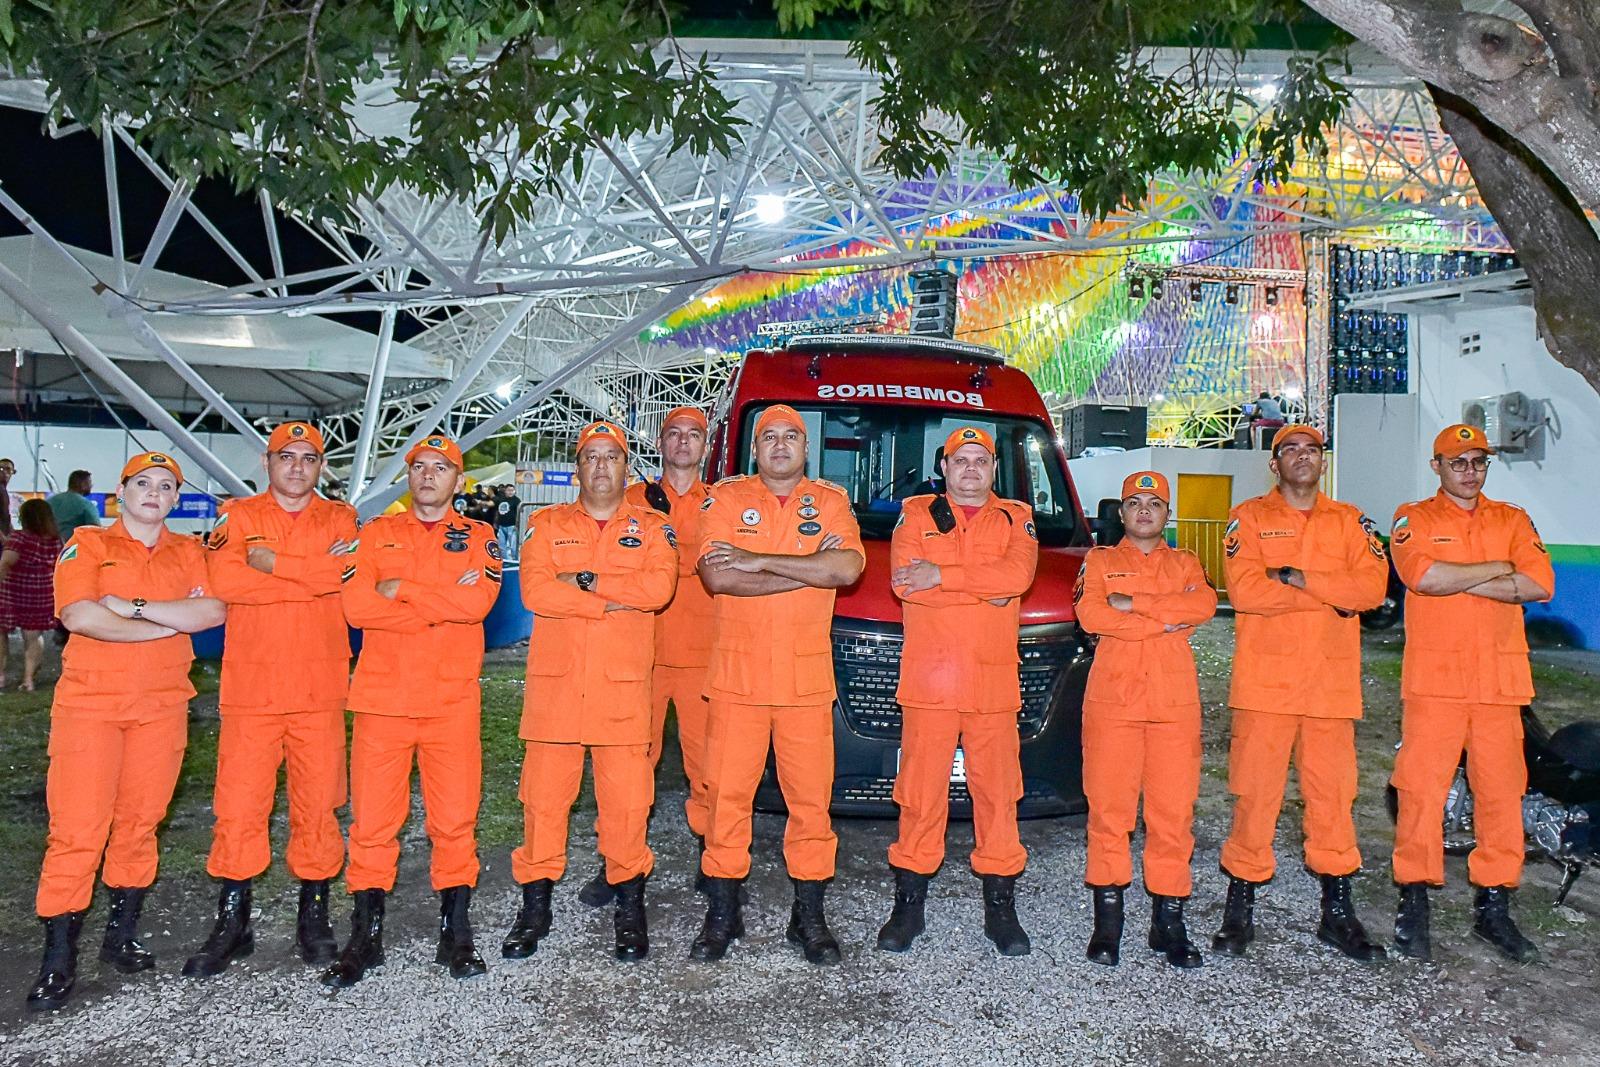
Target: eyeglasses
1461	465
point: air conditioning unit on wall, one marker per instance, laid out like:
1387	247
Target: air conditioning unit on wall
1509	420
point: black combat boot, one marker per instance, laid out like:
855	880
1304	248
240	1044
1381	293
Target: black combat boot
59	968
1411	937
724	921
1238	918
1168	933
121	946
633	936
231	938
456	949
533	921
597	892
364	950
1000	923
808	922
1491	910
1105	944
313	931
1340	927
906	920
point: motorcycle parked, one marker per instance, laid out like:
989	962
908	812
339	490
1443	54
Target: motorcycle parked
1393	608
1561	809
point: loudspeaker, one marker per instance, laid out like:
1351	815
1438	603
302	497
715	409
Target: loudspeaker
1105	425
933	303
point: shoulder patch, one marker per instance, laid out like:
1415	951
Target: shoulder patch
1033	531
1077	586
670	533
1231	529
493	548
705	505
68	554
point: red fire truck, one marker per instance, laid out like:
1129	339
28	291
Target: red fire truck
877	409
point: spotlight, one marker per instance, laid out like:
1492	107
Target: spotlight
770	208
1231	294
1195	291
1136	287
1272	296
1157	290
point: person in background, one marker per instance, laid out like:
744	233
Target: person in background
7	470
505	519
73	508
27	601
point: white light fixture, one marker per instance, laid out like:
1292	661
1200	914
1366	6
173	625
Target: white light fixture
503	391
1156	398
708	350
770	208
1291	392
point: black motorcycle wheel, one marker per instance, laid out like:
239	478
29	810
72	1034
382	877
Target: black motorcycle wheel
1456	842
1382	617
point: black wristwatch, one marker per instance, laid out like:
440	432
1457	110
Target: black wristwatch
585	580
1284	574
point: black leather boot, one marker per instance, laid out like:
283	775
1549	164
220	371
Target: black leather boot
231	938
456	949
808	922
1491	910
1105	943
313	930
1411	936
906	920
633	936
121	946
597	892
533	921
364	950
59	968
1238	918
1000	923
1340	927
724	920
1168	933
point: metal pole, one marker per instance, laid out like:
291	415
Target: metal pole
369	410
97	361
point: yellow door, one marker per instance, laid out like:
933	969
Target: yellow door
1203	504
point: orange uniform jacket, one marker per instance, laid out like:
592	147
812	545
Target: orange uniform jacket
1141	672
775	650
114	680
683	630
589	669
961	650
1463	647
1298	651
296	607
421	652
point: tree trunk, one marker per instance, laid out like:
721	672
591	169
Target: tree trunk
1554	240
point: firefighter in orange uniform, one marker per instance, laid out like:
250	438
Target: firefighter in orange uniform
418	584
593	573
1300	567
962	560
774	547
1470	563
276	559
683	630
130	594
1141	719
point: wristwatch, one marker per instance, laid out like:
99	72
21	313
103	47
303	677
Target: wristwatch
1284	574
138	603
585	580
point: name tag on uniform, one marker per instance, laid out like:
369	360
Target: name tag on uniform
1276	533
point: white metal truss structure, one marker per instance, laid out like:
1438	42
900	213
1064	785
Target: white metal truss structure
547	328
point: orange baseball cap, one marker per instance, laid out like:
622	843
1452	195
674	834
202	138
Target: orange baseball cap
1454	440
605	431
1293	428
968	435
1147	482
145	460
779	413
440	444
694	415
291	432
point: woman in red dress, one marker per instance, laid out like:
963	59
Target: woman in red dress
27	599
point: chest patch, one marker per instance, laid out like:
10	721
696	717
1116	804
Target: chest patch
808	512
455	538
751	517
811	529
629	542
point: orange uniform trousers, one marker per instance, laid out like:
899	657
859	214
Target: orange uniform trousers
992	750
737	739
449	756
685	689
107	790
249	752
1121	759
1432	735
624	789
1324	752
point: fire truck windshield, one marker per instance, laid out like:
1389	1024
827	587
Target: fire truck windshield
883	454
